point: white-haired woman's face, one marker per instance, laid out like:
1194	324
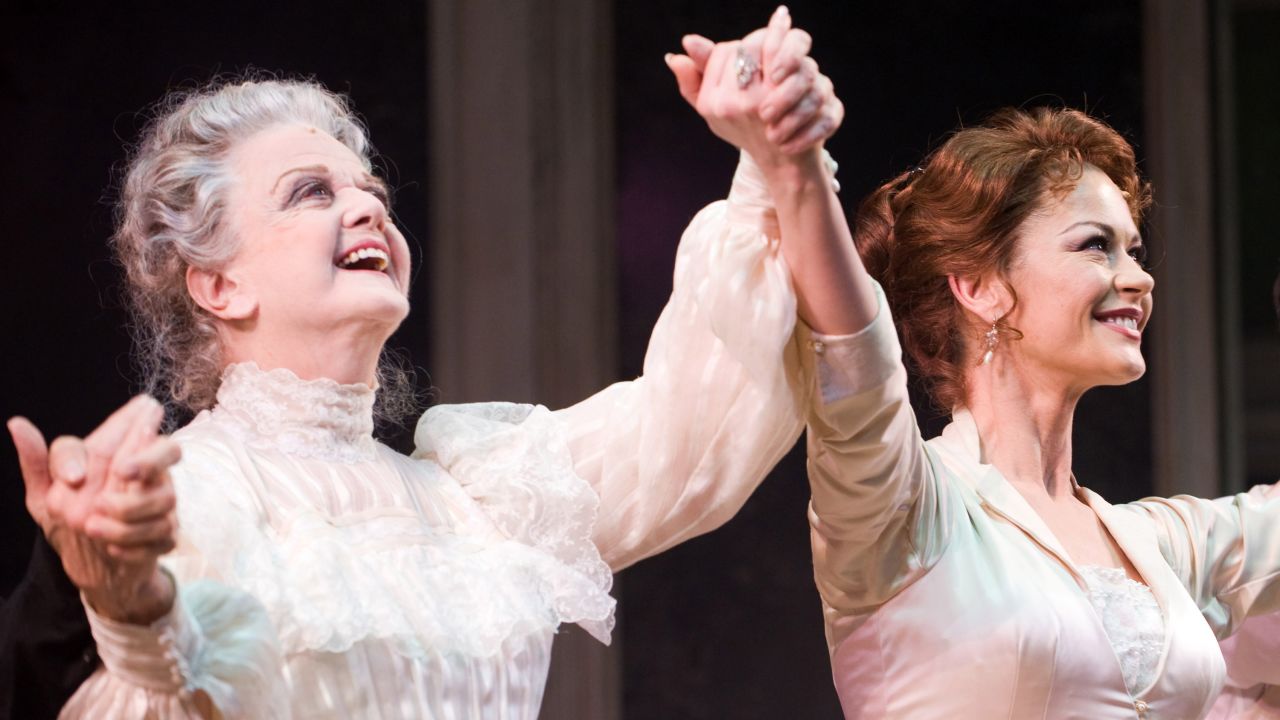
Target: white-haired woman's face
1084	297
317	251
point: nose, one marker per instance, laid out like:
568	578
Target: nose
1133	279
363	210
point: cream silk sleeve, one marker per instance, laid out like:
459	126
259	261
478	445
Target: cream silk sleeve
875	505
676	452
216	653
1225	551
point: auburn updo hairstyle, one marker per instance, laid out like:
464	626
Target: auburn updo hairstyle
959	213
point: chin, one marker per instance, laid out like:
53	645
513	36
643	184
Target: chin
1126	371
390	309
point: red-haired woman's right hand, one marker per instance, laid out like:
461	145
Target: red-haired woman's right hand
786	109
106	504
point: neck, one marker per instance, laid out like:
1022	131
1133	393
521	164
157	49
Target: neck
347	355
1025	424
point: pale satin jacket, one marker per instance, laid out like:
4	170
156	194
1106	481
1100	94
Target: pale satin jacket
324	575
946	596
1252	691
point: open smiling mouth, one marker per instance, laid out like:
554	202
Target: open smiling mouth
365	259
1124	322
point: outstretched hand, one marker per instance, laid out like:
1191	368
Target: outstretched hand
106	505
763	93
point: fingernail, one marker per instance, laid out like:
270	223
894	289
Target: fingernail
766	113
667	59
73	471
778	75
782	10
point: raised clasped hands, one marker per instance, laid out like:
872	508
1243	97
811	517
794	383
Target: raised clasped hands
763	93
106	504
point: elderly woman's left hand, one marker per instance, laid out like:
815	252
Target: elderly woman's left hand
763	93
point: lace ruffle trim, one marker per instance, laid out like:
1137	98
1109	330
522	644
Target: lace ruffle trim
1132	620
277	410
513	460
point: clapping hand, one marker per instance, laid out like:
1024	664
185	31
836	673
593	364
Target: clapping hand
763	93
106	504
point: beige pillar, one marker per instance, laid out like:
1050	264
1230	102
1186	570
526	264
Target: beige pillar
521	251
1186	389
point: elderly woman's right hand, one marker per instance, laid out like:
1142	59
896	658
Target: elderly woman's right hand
106	504
763	93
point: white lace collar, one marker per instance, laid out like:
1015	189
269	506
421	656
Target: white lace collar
275	409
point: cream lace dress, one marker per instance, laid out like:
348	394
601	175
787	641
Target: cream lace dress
323	574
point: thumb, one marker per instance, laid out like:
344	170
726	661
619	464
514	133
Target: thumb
33	458
68	460
699	50
688	77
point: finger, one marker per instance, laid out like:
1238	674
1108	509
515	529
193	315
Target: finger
783	98
130	534
130	507
806	137
152	463
33	457
717	65
754	42
800	115
69	460
124	462
102	444
138	554
787	62
779	23
116	427
795	48
688	78
698	49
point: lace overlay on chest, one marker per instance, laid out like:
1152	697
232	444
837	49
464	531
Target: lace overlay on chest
276	409
1132	620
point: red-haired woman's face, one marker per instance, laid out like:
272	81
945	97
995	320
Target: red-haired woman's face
1084	297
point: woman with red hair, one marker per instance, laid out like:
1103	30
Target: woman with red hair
972	576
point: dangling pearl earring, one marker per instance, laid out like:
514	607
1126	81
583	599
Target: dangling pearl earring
993	339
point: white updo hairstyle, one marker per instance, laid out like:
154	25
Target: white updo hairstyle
171	216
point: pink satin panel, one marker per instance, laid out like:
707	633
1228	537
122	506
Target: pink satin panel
946	596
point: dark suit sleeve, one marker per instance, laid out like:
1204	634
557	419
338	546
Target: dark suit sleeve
46	648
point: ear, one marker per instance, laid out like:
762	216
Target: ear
984	296
220	294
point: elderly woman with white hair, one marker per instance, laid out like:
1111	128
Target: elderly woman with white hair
317	572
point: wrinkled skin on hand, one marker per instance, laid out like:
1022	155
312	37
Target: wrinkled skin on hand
107	506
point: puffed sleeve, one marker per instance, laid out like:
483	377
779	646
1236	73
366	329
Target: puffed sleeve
1253	652
216	653
874	503
1226	552
676	452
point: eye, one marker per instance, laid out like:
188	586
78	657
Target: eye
1139	254
310	188
381	194
1097	242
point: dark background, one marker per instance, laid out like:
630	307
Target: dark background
727	625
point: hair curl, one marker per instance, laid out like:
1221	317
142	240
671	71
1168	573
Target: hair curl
960	213
172	216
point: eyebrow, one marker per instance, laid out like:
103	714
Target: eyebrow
366	179
1105	229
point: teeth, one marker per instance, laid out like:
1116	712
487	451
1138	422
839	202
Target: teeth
381	260
1127	322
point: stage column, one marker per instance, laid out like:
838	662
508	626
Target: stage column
521	252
